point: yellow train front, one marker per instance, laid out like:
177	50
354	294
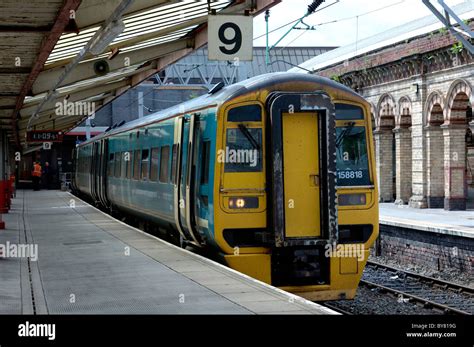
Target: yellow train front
295	178
276	174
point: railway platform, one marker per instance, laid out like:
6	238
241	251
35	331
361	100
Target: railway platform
82	261
436	220
432	238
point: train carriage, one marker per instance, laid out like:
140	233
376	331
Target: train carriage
276	174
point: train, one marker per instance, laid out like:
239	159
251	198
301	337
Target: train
275	175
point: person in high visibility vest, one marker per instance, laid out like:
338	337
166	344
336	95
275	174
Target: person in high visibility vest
36	175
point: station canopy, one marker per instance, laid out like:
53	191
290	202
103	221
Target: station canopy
56	52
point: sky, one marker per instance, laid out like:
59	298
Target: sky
356	19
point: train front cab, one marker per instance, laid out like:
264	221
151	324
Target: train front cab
286	227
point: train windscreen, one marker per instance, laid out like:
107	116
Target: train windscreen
243	152
351	156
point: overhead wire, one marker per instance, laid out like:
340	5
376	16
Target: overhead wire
328	22
335	20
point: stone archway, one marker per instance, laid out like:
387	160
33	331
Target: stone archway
373	117
455	150
403	152
434	150
384	147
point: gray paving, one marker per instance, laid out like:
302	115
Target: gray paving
459	223
89	263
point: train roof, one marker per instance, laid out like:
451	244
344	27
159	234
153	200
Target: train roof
225	94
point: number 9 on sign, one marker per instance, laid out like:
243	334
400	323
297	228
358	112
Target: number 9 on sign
235	41
230	37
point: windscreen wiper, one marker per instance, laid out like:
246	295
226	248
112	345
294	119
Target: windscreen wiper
345	132
249	136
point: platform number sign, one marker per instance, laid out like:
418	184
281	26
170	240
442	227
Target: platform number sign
230	37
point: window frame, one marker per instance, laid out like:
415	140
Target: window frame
118	165
145	161
205	162
136	164
154	164
164	176
110	165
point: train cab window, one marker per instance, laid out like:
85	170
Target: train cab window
346	112
110	166
206	145
164	163
118	164
136	165
243	151
247	113
352	161
144	165
174	159
155	152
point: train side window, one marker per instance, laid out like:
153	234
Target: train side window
145	161
136	165
118	165
155	152
127	156
123	165
174	158
164	163
247	113
110	167
206	145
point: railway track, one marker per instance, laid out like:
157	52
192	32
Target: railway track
449	297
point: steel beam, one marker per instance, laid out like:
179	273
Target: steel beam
157	62
94	12
59	26
85	70
76	96
445	19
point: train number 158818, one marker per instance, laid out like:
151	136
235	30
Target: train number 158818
349	174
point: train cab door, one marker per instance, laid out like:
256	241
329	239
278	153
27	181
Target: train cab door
185	213
303	173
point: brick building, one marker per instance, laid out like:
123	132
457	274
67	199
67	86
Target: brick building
419	81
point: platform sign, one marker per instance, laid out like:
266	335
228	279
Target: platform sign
44	136
230	37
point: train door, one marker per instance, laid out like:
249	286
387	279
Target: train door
202	169
303	172
96	164
102	174
185	217
74	169
94	172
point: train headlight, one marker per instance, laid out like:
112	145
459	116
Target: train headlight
351	199
240	202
